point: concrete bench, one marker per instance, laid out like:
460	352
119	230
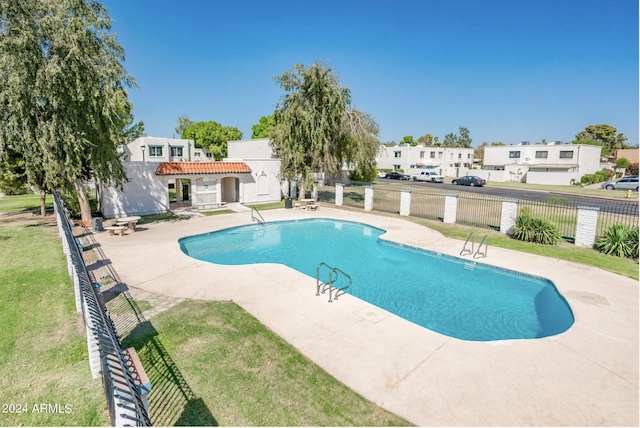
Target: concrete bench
313	207
116	229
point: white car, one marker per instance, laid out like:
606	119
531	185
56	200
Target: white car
627	183
381	174
431	176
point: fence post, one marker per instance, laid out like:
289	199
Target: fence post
586	228
405	202
450	208
508	216
368	198
339	194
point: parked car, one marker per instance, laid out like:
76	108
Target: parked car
395	175
381	174
431	176
626	183
469	180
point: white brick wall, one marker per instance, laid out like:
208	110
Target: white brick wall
368	198
508	216
339	194
405	202
450	208
586	228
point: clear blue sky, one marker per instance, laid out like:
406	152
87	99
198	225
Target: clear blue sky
509	70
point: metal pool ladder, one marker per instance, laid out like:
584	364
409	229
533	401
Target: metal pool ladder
333	275
257	217
477	253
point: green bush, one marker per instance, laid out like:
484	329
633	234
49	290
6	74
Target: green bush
622	163
537	230
588	179
619	240
632	169
601	176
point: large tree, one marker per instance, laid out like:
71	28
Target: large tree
263	127
408	139
318	130
602	135
211	136
63	100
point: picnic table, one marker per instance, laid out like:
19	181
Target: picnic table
130	222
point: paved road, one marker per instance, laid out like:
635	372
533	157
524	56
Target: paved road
605	205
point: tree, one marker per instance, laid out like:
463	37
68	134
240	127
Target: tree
263	127
604	135
211	136
183	123
317	129
496	144
426	139
13	177
64	105
622	163
461	140
408	139
478	153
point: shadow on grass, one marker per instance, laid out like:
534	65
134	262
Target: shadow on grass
171	401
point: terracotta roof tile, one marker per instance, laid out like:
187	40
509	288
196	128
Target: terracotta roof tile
182	168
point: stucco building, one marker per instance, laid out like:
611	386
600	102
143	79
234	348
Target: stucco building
447	161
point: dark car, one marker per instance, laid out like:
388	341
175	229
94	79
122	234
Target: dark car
469	180
395	175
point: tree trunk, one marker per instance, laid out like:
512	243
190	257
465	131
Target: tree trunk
302	191
83	200
43	203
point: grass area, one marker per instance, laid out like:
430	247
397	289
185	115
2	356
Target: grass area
268	206
217	212
157	217
43	350
27	202
564	251
245	375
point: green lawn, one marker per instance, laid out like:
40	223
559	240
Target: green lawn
43	350
236	372
27	202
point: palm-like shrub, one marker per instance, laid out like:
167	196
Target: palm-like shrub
619	240
536	229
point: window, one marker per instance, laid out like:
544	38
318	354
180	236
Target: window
176	151
439	155
542	154
196	155
396	167
459	155
468	155
155	151
421	155
514	155
397	154
566	154
432	155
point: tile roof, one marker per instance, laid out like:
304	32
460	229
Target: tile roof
183	168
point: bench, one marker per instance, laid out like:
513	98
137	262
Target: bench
116	229
313	207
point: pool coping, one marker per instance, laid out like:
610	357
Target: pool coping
587	375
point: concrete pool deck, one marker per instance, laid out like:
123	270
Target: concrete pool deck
587	376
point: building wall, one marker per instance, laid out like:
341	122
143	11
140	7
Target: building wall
145	193
561	177
258	148
631	154
133	151
447	161
263	184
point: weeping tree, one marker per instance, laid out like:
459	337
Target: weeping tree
63	101
317	129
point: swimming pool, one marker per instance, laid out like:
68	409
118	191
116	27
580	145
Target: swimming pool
452	296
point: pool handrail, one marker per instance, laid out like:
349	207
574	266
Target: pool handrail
338	290
465	250
257	218
334	274
486	248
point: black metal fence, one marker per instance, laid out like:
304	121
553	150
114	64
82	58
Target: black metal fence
485	210
124	401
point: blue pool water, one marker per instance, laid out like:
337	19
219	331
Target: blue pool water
438	292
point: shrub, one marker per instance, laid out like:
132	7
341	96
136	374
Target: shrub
632	169
588	179
622	163
619	240
536	229
601	176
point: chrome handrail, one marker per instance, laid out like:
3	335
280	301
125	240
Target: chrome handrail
486	248
338	290
259	218
466	251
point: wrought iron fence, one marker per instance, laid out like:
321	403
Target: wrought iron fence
124	400
428	204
